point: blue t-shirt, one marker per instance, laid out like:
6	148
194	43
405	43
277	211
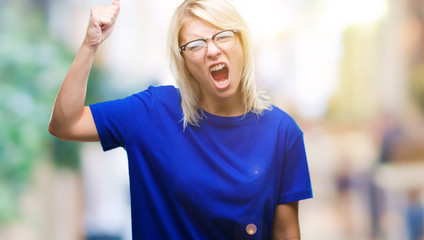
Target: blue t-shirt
220	180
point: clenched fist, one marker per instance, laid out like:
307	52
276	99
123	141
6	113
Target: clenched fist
102	21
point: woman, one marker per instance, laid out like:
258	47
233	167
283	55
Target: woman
209	160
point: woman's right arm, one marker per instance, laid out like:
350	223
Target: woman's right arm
70	119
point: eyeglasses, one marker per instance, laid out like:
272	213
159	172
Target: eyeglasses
197	49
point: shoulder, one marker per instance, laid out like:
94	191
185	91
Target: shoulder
165	91
286	125
158	100
280	117
157	95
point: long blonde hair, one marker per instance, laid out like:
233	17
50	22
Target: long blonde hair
220	14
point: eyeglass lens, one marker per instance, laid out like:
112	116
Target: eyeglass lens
223	40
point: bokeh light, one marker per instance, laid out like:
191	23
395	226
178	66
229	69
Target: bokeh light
251	229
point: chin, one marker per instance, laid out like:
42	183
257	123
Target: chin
227	93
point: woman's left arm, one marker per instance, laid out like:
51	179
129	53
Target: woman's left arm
286	222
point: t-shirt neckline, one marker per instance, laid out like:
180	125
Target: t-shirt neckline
221	119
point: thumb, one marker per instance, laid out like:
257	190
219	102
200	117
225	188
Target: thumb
116	2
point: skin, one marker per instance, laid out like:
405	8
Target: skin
70	119
73	121
225	101
286	222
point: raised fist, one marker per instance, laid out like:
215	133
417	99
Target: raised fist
102	21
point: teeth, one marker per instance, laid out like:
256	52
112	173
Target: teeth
218	67
223	82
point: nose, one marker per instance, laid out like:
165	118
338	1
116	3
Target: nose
212	50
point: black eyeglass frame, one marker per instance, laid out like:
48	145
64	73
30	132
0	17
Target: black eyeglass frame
183	47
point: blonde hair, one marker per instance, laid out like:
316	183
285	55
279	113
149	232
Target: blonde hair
220	14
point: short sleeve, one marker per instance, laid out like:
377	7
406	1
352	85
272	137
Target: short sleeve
117	120
295	183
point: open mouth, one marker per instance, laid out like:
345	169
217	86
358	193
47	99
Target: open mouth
220	74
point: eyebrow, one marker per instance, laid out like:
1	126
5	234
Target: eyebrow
198	37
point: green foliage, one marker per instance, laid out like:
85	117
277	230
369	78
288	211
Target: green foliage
32	67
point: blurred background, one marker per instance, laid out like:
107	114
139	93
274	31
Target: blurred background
351	73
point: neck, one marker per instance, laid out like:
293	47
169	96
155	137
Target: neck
224	107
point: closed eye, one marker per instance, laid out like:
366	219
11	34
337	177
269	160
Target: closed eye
196	45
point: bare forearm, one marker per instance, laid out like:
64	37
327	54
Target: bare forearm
283	234
274	237
286	222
